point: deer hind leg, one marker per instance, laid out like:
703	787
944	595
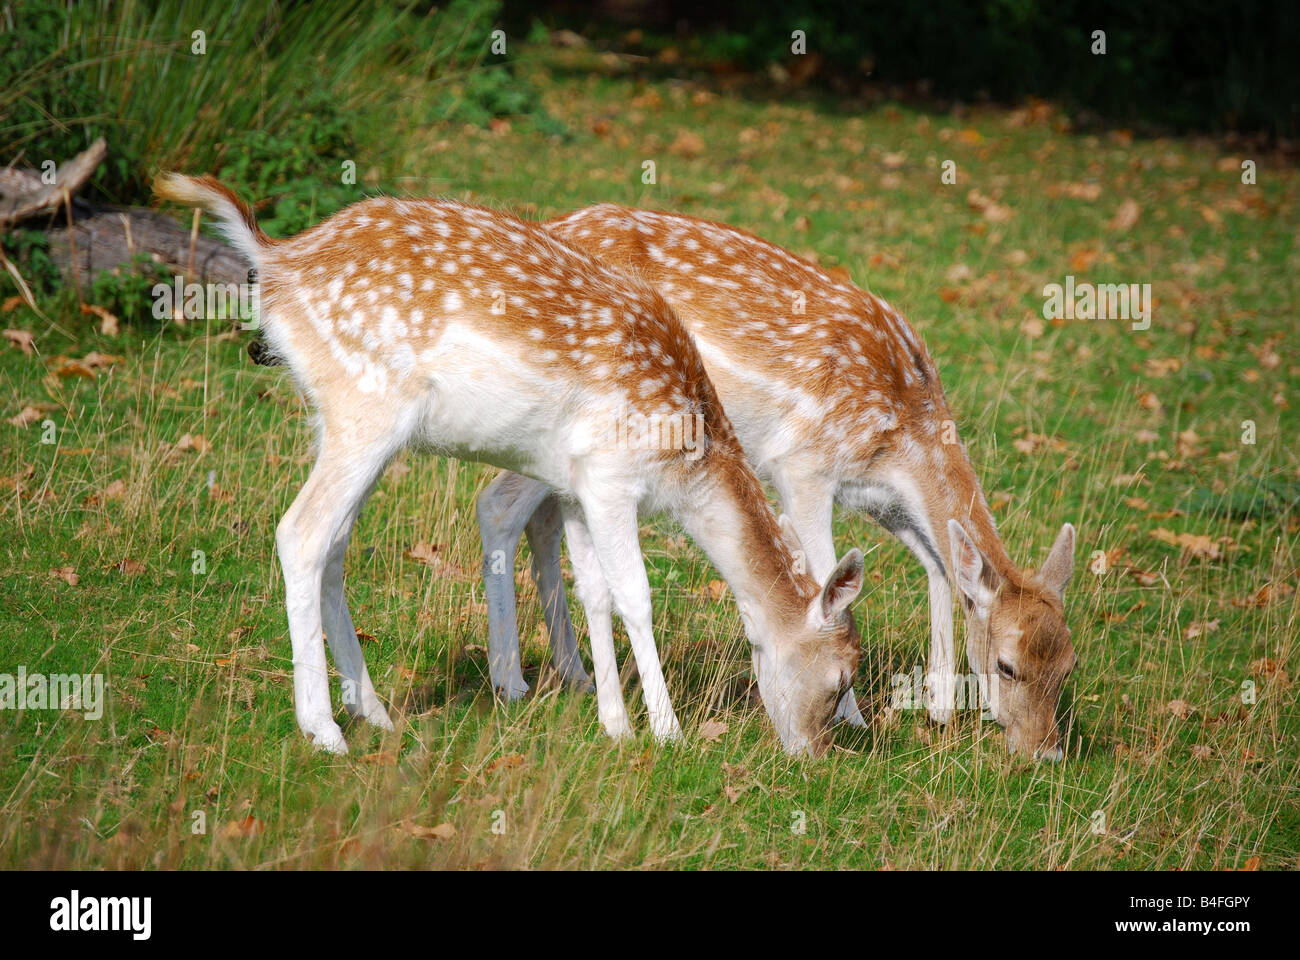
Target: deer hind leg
503	512
312	529
809	503
594	593
545	530
613	532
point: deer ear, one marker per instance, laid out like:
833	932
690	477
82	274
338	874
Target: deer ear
975	577
842	586
1056	571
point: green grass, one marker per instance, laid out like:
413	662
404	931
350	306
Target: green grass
199	714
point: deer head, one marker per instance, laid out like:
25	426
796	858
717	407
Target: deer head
1017	641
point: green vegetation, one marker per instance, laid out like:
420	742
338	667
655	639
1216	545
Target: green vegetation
180	445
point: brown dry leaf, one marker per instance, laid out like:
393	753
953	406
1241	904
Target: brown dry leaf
423	552
1180	708
26	416
196	442
687	144
1082	260
383	758
20	339
1076	191
66	574
11	303
716	589
1161	366
1145	578
1200	628
1126	217
1202	752
1250	865
1032	442
128	568
1137	503
507	762
1264	667
107	321
992	210
247	827
712	730
1192	544
1032	328
443	831
65	367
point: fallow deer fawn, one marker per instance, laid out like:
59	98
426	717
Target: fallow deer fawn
834	398
470	333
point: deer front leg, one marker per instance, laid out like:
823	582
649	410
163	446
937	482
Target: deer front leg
942	686
592	590
503	512
808	501
613	531
941	677
545	530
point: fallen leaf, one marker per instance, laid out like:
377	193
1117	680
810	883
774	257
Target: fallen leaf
712	730
196	442
1200	628
1192	544
25	417
107	321
67	574
423	552
443	831
508	762
687	144
1180	708
247	827
20	339
1126	216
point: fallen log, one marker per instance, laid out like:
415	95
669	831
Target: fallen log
105	237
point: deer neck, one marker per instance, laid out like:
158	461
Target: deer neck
725	512
950	490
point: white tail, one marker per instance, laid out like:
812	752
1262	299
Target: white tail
834	399
482	337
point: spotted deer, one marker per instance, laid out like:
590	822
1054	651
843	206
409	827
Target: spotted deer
469	333
834	399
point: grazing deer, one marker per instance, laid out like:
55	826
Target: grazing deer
834	399
436	324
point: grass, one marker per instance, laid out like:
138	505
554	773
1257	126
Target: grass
1123	433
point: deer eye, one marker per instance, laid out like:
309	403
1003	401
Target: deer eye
1005	671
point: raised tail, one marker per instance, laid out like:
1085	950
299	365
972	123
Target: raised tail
235	217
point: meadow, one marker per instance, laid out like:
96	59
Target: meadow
137	534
